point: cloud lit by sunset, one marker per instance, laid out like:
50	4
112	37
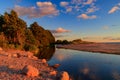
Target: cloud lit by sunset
83	18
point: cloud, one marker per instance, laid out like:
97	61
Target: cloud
42	9
58	36
69	9
90	37
85	16
111	38
105	27
60	30
79	6
89	2
114	9
64	4
92	9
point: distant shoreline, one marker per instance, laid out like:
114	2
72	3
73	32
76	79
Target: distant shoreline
94	47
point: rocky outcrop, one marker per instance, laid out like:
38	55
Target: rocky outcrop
13	67
63	76
30	71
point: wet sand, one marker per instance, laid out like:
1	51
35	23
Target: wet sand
94	47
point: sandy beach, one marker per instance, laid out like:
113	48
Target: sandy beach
94	47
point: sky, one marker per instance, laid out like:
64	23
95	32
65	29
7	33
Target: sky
89	20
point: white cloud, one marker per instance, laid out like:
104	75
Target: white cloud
63	4
42	9
85	16
114	9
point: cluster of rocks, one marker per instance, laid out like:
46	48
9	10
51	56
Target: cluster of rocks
21	65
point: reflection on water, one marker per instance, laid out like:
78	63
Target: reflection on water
87	65
46	53
83	65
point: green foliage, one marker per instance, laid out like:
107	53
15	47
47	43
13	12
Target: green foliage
44	37
62	42
3	41
15	34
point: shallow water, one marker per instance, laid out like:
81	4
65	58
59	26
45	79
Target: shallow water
87	65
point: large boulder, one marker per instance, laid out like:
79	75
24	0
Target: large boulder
63	76
44	61
1	49
56	66
30	71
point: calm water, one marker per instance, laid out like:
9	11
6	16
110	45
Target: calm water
86	65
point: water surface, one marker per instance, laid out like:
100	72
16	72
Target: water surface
87	65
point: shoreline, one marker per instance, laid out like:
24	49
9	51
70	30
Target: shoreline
23	65
94	47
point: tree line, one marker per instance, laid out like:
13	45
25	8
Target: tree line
14	33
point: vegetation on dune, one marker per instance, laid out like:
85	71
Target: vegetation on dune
62	42
14	33
76	41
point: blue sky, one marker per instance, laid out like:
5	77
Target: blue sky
90	20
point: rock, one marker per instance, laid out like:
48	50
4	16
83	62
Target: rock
29	56
15	55
1	49
56	65
63	76
11	66
30	71
44	61
53	73
9	55
34	57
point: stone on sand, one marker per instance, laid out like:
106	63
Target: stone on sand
63	76
30	71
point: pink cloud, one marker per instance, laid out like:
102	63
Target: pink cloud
111	38
89	2
42	9
60	30
63	4
114	9
85	16
92	9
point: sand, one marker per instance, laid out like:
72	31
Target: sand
94	47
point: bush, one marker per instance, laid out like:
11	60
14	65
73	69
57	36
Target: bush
32	48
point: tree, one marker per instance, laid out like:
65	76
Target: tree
44	37
15	33
14	28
